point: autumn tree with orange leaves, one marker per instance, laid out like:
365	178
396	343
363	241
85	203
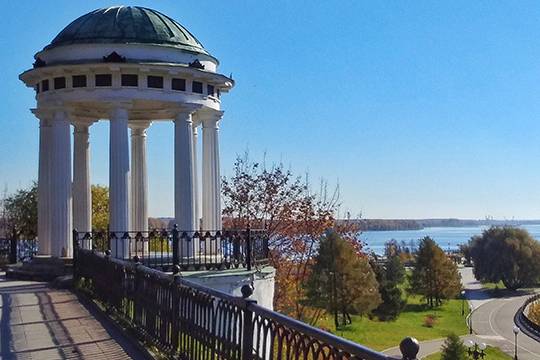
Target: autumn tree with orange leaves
295	218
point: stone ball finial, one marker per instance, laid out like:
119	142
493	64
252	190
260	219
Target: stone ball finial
108	252
247	290
176	270
409	348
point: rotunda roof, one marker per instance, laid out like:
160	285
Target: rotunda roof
127	24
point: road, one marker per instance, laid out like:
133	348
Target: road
492	321
493	318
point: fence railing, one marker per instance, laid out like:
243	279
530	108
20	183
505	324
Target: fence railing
14	250
190	250
526	325
189	321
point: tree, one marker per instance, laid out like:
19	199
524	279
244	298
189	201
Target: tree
295	219
341	281
434	276
453	349
100	207
21	212
389	276
506	253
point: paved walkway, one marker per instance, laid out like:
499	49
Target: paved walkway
37	322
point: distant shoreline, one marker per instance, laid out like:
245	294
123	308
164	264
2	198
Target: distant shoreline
419	224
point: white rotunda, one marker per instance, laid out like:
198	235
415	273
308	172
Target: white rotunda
131	66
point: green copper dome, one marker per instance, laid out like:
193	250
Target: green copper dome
127	24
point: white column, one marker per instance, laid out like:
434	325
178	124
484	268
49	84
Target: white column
196	179
184	202
82	194
44	188
211	196
139	178
119	180
60	180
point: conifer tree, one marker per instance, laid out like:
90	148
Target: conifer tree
389	276
341	280
434	276
453	349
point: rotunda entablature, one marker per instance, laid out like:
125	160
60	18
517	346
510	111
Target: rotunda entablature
158	84
131	53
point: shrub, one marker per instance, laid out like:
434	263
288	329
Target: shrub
430	321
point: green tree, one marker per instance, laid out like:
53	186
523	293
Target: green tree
506	253
434	276
453	349
21	212
389	276
100	207
341	280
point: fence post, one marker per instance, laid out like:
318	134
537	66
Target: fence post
409	348
247	329
13	250
175	245
248	247
75	242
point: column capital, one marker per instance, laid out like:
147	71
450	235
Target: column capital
81	125
185	110
139	127
42	114
209	118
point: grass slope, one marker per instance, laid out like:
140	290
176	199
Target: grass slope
382	335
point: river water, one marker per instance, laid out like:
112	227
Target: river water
446	237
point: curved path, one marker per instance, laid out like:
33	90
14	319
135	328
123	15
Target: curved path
492	321
37	322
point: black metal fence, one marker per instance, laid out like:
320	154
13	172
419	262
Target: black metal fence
189	321
526	325
190	250
14	250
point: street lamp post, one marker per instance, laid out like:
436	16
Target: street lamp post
476	351
462	302
516	332
470	320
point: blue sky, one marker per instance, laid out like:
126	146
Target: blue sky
417	109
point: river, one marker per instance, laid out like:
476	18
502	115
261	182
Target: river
446	237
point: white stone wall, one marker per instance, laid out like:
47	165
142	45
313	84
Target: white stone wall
231	282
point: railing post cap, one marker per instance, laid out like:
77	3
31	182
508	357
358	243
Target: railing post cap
409	348
136	259
108	253
176	270
247	290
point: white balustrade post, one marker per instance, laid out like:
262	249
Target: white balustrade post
119	181
82	194
139	182
60	180
184	202
44	187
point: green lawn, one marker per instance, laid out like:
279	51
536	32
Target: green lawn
493	286
491	354
382	335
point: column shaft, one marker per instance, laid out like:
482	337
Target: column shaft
184	204
119	180
211	204
60	180
139	180
82	194
196	179
44	187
